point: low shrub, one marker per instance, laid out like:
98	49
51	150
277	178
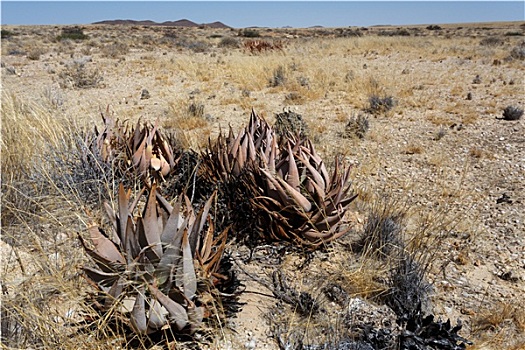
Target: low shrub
77	76
380	104
491	41
6	34
74	33
229	42
278	78
512	113
290	123
357	126
115	50
434	27
397	32
518	52
249	33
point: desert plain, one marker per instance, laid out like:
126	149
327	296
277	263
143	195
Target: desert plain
416	111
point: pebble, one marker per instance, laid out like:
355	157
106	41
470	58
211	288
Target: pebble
251	344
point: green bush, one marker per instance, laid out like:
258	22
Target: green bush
250	33
6	34
229	42
74	33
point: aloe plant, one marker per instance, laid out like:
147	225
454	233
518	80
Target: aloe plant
301	201
229	156
290	193
142	149
149	267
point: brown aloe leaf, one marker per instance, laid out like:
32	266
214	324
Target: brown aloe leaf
276	191
123	211
138	313
200	221
173	224
104	264
211	263
176	311
137	137
151	227
327	222
135	202
131	245
189	278
251	151
146	247
156	317
106	279
317	177
207	241
137	155
114	292
296	195
293	174
234	146
104	247
317	192
165	204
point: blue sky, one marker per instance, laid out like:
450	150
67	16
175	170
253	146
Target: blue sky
265	13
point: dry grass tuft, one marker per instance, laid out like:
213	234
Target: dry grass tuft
188	119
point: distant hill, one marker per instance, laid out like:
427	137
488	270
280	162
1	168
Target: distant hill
179	23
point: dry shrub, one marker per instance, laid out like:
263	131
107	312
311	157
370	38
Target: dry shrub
357	126
188	120
278	78
76	75
115	50
35	53
229	42
497	323
495	316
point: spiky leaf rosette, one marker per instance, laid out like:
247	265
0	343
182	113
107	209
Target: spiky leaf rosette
230	156
227	161
143	149
150	267
301	201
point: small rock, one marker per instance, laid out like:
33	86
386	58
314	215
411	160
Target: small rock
144	94
251	344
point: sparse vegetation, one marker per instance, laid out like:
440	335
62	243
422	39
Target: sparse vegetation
518	52
290	123
5	33
491	41
322	269
72	33
278	78
249	33
434	27
512	113
379	104
77	75
229	42
115	50
357	126
397	32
